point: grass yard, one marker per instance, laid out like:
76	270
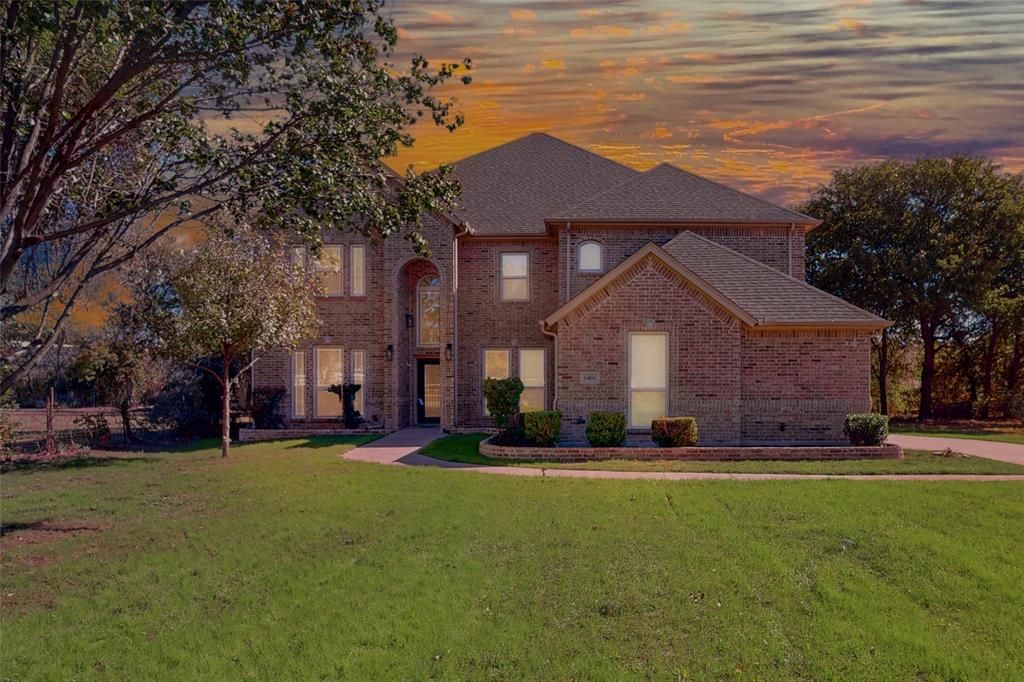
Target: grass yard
464	448
285	562
1000	432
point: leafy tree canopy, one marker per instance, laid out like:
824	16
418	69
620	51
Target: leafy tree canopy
124	118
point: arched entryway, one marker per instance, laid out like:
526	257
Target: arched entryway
419	351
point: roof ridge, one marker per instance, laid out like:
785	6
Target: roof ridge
765	266
615	188
549	136
731	189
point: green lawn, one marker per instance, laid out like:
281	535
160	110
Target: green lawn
285	562
464	448
999	434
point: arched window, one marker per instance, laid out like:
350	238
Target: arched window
588	257
428	311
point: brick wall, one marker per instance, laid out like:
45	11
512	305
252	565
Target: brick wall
804	382
485	321
704	348
374	321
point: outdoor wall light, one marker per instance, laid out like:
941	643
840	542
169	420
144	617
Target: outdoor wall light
448	351
410	321
389	352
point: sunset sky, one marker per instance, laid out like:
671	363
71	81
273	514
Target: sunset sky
768	96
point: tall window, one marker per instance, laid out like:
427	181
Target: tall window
497	365
298	384
359	377
329	371
357	268
532	374
648	378
588	257
515	277
329	268
299	257
428	311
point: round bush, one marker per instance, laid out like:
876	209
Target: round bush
866	429
606	429
674	432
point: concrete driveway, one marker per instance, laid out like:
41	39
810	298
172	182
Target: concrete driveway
1004	452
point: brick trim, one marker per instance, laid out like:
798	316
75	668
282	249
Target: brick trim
714	453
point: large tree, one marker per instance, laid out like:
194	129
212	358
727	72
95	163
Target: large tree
121	119
232	297
919	242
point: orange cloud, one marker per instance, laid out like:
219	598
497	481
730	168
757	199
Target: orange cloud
671	27
659	133
522	14
754	129
553	64
631	96
694	79
438	18
853	25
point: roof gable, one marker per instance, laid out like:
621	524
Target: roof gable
755	293
669	194
512	188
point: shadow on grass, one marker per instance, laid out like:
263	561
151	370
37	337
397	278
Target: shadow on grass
319	442
29	464
46	525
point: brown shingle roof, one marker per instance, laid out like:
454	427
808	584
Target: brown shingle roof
518	186
757	294
512	188
669	194
766	294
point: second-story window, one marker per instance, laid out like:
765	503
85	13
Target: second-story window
428	311
328	266
357	269
588	257
515	277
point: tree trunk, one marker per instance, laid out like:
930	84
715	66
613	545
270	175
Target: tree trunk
988	367
924	410
126	420
225	418
1013	372
883	373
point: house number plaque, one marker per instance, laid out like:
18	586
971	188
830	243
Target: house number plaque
590	378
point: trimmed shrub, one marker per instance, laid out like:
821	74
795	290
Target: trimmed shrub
606	429
266	407
674	432
502	396
866	429
542	427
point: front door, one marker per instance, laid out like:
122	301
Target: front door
428	391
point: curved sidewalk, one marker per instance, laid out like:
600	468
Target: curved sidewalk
402	448
1004	452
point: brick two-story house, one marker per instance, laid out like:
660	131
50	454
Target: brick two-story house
602	288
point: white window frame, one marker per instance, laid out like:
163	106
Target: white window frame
298	388
419	312
359	377
502	278
600	256
629	378
483	371
357	288
543	376
341	271
316	379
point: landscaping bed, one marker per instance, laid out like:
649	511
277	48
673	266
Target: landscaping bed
465	448
490	448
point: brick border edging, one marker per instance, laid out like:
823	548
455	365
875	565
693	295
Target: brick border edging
252	435
714	453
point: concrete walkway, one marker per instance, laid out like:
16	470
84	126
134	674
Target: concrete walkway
402	448
1004	452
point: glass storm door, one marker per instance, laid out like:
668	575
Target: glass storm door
428	391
